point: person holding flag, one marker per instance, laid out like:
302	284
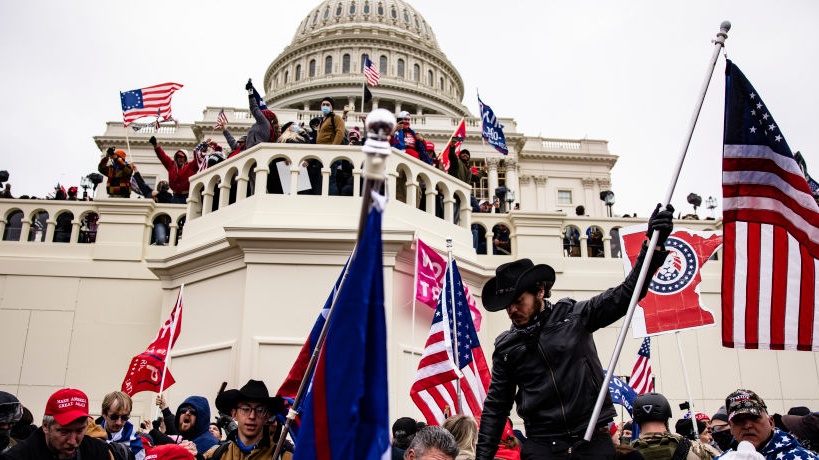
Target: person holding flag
547	361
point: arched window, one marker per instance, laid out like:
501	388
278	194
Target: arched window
393	13
400	72
352	8
430	78
312	68
364	58
441	83
345	63
39	223
338	10
382	65
366	7
416	72
315	17
298	72
14	225
380	10
88	228
286	75
62	230
328	65
327	12
406	17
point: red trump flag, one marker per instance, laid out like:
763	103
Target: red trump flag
147	368
673	301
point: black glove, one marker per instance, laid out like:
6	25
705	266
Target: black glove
156	423
661	221
152	140
249	85
110	151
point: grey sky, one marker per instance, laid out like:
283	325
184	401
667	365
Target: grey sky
624	71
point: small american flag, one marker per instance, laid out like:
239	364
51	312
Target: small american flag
146	102
641	378
770	294
435	387
221	120
370	72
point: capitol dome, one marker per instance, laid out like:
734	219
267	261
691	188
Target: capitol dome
326	56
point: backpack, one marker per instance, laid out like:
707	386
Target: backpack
665	448
120	451
346	140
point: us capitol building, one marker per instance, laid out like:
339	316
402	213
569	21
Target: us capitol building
76	305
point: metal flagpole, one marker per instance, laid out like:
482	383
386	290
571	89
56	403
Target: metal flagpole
414	289
380	125
687	385
170	341
453	328
719	43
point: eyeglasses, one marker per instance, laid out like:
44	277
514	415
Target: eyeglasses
261	411
115	417
189	410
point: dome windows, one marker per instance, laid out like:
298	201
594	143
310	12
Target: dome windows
315	17
393	13
311	69
383	66
400	69
345	63
326	13
298	72
416	72
406	17
380	10
366	7
430	78
352	8
328	65
338	10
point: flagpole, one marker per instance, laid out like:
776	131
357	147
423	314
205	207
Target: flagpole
719	43
687	385
168	353
380	125
452	328
414	288
446	147
363	94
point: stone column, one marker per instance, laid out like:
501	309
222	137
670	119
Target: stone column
412	192
528	202
241	188
588	196
224	194
540	189
492	175
512	182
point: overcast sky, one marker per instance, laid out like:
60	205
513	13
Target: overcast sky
624	71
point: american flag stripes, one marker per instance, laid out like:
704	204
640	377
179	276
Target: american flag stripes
370	72
147	102
435	388
642	379
221	121
771	231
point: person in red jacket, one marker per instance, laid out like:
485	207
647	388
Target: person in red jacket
179	169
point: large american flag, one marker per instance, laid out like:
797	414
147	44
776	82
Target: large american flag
642	379
771	231
370	72
147	102
435	387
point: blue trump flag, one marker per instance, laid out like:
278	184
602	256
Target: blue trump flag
346	407
621	393
491	129
259	100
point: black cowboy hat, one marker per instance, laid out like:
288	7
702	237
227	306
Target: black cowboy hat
254	390
511	280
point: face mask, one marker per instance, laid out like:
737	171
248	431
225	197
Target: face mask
295	128
325	110
5	434
723	439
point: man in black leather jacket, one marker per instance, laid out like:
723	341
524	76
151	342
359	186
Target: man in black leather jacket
547	361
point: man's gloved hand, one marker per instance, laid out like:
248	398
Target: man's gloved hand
110	151
661	222
249	86
152	140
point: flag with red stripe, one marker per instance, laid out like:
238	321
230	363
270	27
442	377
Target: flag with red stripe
457	139
221	121
148	102
771	231
452	339
370	72
642	378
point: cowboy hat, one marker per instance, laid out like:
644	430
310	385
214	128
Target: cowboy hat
254	390
511	280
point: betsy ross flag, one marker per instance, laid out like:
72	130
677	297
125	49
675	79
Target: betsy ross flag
221	120
673	300
770	293
435	390
457	139
346	407
642	379
370	72
145	371
148	102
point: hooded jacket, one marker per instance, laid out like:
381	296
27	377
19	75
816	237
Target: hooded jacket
201	435
178	178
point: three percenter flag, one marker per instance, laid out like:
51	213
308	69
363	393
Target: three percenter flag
771	231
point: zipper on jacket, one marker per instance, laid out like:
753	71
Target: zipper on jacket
557	390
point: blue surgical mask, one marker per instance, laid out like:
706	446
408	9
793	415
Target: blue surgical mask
295	128
326	110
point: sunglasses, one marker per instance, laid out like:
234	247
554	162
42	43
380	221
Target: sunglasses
116	417
188	410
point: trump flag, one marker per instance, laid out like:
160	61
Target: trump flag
346	406
673	301
146	369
